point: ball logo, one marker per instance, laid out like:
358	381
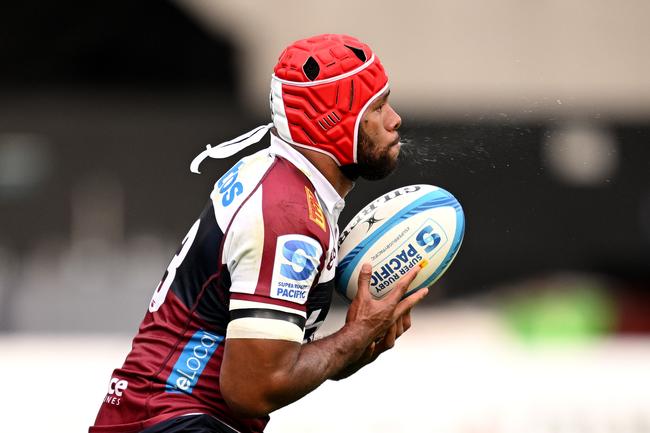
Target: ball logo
372	221
296	262
428	239
373	206
393	267
391	263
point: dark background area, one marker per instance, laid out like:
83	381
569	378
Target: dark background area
132	91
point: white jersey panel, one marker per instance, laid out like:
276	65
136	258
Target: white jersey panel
329	269
331	260
232	189
244	245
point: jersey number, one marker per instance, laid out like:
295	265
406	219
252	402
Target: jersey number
160	293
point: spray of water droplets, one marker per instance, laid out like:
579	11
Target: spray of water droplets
422	152
426	150
467	149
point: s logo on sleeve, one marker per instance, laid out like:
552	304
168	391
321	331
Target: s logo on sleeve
295	267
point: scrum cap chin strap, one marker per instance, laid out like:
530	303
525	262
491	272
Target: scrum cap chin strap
229	148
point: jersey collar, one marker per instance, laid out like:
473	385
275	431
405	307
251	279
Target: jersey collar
330	197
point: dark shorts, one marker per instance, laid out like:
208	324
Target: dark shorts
191	424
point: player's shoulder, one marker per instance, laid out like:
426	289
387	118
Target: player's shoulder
240	180
285	174
237	185
289	198
267	189
274	173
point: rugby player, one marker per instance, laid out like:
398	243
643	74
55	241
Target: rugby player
229	333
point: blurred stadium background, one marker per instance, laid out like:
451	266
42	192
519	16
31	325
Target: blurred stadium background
536	115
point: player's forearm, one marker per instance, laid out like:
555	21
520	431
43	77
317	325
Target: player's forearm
292	374
319	361
259	376
352	365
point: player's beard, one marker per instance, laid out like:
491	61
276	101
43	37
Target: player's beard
373	163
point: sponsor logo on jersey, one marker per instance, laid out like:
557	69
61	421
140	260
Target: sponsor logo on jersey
315	211
116	388
195	356
332	259
228	186
313	323
296	265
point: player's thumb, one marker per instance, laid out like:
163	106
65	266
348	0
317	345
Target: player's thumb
404	283
363	284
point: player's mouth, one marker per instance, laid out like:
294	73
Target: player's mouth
395	147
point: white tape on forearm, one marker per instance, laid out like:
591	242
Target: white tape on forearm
272	329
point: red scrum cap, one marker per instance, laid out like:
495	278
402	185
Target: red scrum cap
320	88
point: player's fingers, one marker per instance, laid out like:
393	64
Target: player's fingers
363	283
400	327
410	301
406	320
369	353
403	283
389	339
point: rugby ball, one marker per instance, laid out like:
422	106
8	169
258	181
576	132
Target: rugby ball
416	225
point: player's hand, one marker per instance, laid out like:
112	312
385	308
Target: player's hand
396	330
385	319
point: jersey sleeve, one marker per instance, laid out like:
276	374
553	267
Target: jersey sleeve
274	256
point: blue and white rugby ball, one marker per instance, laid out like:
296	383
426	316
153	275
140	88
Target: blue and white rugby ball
416	225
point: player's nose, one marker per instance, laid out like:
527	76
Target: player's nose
393	120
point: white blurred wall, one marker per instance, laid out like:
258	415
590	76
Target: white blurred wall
457	371
447	58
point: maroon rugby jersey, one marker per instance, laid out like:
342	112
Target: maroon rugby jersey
258	263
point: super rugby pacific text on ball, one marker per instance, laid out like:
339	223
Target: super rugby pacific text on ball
416	225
